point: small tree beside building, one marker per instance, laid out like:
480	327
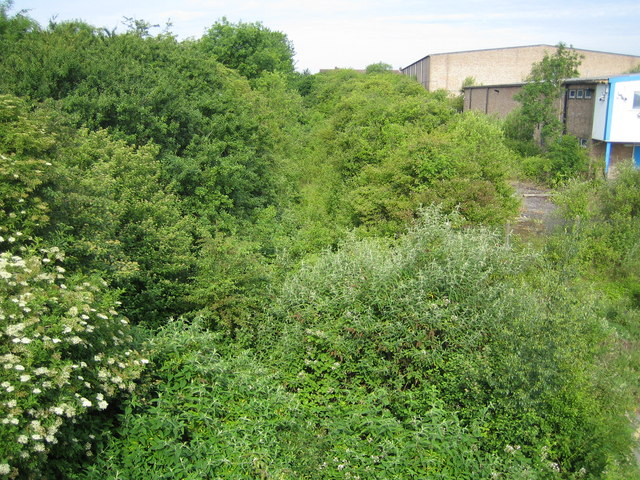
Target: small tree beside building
542	91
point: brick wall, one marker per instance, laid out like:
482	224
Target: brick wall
620	153
505	65
488	67
494	100
579	106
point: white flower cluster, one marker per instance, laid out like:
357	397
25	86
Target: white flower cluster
20	208
63	352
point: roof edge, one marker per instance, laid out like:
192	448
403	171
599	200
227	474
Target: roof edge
478	50
602	79
521	46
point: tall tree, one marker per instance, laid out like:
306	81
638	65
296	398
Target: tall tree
250	48
539	96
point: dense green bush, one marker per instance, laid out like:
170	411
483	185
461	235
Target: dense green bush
112	214
231	283
24	169
387	146
204	415
448	314
102	202
462	165
602	228
145	89
565	159
250	48
370	115
568	159
66	353
519	134
231	418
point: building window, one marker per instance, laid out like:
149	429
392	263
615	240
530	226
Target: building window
580	94
572	94
584	142
636	99
587	93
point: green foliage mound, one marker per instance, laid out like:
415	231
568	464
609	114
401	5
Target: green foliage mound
602	229
564	160
111	214
250	48
387	146
101	202
24	168
66	353
232	418
464	166
458	317
205	415
152	89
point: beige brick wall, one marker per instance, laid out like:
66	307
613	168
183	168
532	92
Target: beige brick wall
598	64
495	100
620	153
579	111
505	65
487	67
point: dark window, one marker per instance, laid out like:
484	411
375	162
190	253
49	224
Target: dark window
580	93
572	94
587	93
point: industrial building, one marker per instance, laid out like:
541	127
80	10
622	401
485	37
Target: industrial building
449	71
603	112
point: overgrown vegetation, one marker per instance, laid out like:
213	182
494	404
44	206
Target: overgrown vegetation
543	88
535	130
212	266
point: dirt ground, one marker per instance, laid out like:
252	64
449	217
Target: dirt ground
536	210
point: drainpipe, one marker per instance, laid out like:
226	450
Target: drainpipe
607	127
564	110
486	102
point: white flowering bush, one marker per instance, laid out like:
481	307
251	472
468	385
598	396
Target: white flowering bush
65	353
24	148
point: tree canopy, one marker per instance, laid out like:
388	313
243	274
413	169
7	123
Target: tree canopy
541	93
250	48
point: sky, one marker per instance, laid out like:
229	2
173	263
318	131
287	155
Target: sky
357	33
